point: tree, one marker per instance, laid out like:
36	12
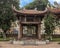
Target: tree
50	23
56	5
6	14
39	4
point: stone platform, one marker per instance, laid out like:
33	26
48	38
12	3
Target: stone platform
30	42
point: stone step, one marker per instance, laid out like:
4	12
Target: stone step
29	42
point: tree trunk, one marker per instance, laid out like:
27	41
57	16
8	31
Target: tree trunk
50	37
4	35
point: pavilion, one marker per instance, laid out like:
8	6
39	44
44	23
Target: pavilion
30	21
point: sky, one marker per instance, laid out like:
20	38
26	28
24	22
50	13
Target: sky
25	2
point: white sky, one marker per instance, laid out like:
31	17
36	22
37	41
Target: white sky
57	0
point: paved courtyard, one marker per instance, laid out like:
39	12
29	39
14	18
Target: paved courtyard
7	45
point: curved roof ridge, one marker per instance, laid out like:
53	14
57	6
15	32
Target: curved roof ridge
25	11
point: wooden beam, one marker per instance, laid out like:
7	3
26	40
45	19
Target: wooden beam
30	22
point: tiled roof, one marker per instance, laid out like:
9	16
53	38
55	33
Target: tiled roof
54	10
25	11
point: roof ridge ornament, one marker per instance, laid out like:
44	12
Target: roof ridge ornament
13	7
47	5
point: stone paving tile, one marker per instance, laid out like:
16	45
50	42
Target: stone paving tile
7	45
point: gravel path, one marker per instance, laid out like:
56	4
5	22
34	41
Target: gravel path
7	45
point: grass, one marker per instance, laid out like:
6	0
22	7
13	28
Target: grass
56	39
2	39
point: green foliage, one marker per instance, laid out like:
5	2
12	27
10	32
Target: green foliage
49	24
39	4
6	13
